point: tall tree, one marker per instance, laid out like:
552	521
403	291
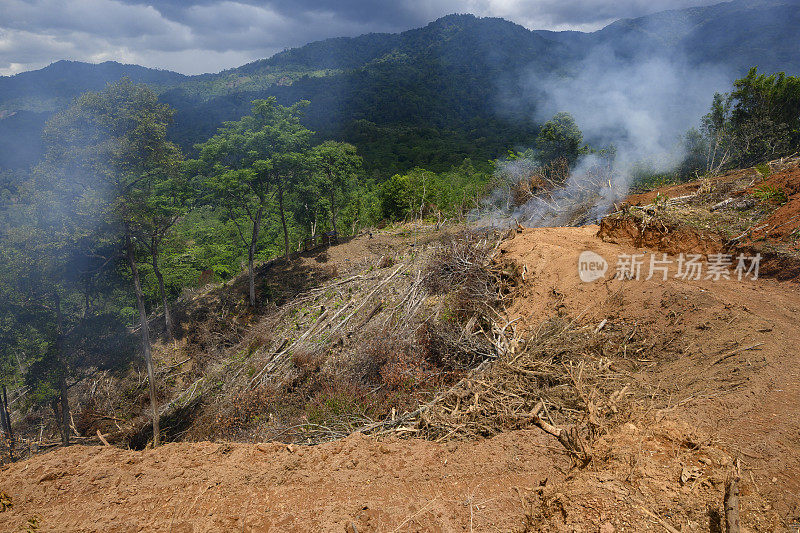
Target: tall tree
243	166
757	121
560	137
290	169
32	323
153	207
337	164
111	151
61	314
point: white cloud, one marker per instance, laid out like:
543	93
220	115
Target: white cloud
203	35
581	15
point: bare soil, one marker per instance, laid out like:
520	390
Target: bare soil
725	388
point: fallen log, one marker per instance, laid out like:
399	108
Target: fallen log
731	501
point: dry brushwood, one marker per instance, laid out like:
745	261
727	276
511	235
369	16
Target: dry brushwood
281	357
463	268
568	437
553	196
550	372
539	180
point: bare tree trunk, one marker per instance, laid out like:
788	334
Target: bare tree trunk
160	277
56	414
148	357
251	275
62	372
6	417
3	423
251	253
731	501
283	219
333	210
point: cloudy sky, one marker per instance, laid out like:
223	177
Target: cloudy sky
194	36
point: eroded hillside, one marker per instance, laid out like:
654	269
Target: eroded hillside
620	404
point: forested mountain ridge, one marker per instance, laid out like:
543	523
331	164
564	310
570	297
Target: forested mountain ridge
427	97
739	34
29	98
65	79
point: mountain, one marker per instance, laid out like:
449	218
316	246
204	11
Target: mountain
29	98
739	34
66	79
459	87
424	97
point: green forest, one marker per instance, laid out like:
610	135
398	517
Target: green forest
116	221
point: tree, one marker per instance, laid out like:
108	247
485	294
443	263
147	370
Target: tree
717	130
558	138
307	205
153	207
240	166
289	167
336	164
110	151
776	96
395	197
60	314
31	324
758	120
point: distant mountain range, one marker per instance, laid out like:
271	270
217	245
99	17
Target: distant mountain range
429	96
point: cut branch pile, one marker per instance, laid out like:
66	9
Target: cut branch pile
563	379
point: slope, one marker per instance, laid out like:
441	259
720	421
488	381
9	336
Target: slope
709	399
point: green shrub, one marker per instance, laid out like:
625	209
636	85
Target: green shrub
771	194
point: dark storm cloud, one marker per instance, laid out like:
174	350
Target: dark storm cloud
204	35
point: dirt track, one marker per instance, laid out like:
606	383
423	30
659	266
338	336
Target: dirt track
702	414
748	401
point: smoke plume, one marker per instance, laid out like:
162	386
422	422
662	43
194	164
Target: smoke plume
640	106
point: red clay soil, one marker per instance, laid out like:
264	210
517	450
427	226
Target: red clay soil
727	389
674	240
785	220
780	227
747	401
776	236
376	486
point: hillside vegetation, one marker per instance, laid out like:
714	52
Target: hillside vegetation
114	224
457	88
427	378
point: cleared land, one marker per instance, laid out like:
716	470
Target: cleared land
712	376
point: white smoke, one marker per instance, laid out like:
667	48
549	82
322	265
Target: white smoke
642	107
